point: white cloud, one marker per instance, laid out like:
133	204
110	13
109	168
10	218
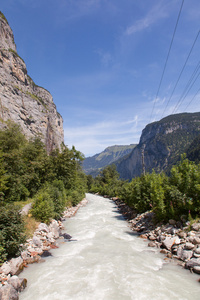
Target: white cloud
159	100
74	9
94	138
139	26
156	13
106	57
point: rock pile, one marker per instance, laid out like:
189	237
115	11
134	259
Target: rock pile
174	240
71	211
44	239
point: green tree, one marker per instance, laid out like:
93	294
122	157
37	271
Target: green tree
65	165
90	182
157	195
109	174
57	193
108	181
43	206
11	142
184	190
11	138
3	178
11	231
37	168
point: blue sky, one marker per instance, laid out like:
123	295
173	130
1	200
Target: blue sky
102	61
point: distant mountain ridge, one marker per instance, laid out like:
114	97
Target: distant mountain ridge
92	165
161	143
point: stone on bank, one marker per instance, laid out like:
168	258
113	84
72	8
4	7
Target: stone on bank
174	240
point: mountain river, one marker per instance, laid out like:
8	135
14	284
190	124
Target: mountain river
106	261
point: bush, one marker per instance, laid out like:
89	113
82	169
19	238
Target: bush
57	193
43	206
3	254
185	187
50	201
11	232
74	197
137	193
157	195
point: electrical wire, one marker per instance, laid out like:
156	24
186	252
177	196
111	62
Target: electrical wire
167	58
181	71
181	99
192	99
191	78
189	83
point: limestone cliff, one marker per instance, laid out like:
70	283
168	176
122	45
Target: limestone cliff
161	144
21	100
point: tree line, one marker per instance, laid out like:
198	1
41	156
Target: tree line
176	195
52	182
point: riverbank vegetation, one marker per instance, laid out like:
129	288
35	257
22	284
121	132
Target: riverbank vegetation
176	196
51	182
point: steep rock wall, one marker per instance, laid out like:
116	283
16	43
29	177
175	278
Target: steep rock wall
21	100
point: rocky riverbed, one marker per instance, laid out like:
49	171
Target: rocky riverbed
35	250
177	240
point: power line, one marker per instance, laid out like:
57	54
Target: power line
167	58
192	99
181	100
181	72
188	85
186	94
191	78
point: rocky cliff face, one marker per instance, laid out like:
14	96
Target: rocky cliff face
21	100
161	144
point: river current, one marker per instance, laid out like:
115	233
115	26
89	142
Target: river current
106	261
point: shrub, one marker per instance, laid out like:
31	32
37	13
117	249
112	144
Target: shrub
157	195
58	195
43	206
3	254
50	201
11	232
74	197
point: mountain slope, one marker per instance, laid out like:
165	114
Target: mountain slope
92	165
162	143
21	100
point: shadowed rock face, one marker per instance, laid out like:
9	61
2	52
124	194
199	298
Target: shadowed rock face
21	100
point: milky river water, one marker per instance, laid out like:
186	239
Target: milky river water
106	261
